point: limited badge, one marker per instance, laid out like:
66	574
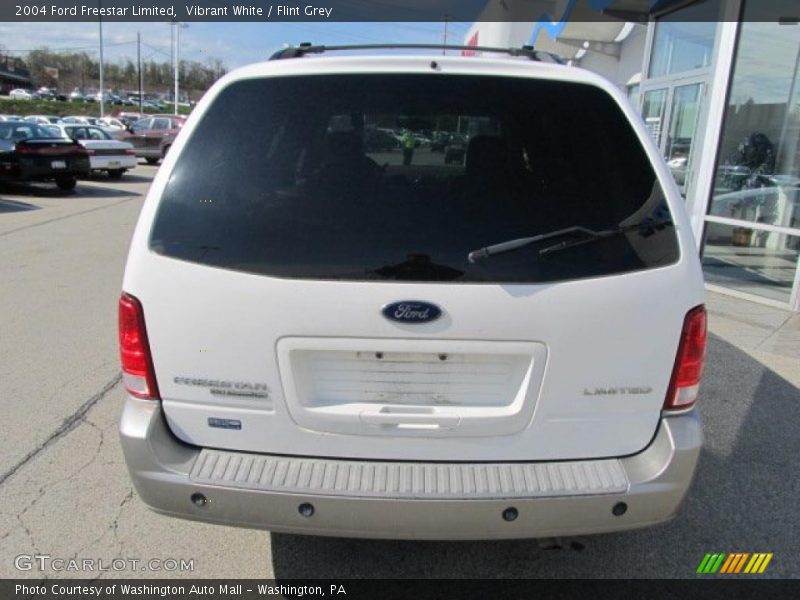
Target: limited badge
224	423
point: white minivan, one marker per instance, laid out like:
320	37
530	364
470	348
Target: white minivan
325	334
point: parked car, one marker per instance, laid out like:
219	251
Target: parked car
105	153
111	123
107	97
456	148
678	166
20	94
129	118
312	342
30	152
376	140
75	120
420	140
166	142
46	93
43	119
440	140
10	118
146	135
76	96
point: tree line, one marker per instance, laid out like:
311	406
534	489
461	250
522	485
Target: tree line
69	70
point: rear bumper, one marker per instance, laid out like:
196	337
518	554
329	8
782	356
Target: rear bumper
112	162
408	500
149	152
41	169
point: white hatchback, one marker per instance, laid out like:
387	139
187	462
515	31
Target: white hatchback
324	333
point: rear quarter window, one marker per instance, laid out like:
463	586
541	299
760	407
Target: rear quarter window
400	177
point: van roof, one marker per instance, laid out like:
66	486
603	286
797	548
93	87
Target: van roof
508	66
529	52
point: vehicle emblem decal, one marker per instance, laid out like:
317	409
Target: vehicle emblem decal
411	311
617	391
222	387
234	424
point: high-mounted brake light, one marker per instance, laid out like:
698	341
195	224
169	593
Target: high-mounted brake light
685	382
138	374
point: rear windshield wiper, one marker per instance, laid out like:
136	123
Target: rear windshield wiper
646	228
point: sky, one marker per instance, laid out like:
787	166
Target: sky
767	53
235	44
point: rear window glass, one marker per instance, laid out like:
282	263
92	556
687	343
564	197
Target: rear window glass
24	131
401	177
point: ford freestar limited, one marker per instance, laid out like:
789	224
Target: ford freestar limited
325	333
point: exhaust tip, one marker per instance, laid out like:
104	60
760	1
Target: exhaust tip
620	508
199	500
306	509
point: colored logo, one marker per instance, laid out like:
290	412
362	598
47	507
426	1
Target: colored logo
736	563
411	311
555	28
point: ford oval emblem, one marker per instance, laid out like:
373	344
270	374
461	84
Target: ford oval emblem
411	311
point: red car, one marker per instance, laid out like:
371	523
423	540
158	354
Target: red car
146	135
129	118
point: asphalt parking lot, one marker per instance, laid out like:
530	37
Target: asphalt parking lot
64	490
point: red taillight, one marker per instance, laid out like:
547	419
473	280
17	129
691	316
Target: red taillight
685	382
54	150
24	149
130	152
138	374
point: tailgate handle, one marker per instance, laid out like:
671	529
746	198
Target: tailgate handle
409	419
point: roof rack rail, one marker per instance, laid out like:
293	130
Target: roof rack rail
526	51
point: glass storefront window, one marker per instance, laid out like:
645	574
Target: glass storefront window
757	181
757	198
684	40
758	172
653	111
681	54
750	260
682	128
633	94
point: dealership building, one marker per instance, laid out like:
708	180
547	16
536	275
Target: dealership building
717	83
13	74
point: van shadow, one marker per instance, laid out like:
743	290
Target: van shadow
9	206
50	190
744	499
128	177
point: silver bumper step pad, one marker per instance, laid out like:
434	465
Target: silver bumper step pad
425	481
